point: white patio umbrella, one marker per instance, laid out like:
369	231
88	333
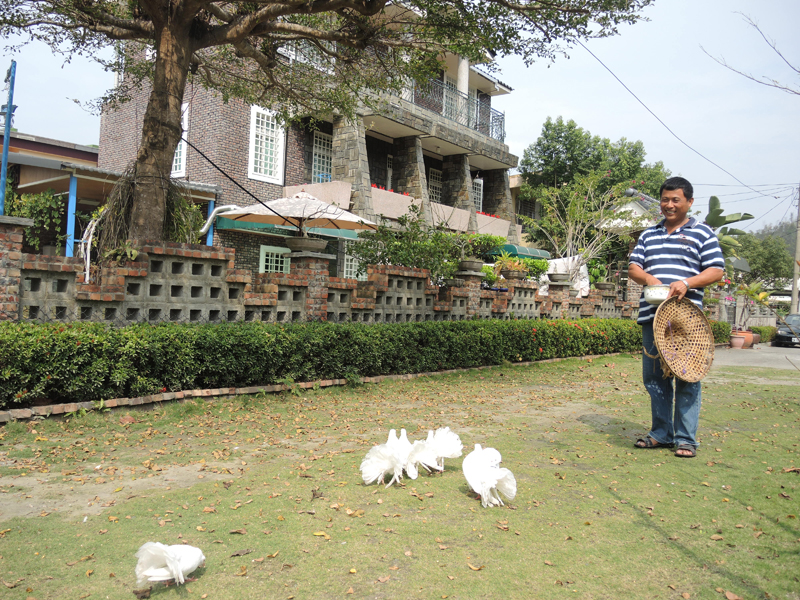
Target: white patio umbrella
301	211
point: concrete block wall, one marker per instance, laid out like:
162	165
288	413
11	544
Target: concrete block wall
197	284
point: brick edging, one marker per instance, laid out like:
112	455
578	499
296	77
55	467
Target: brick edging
20	414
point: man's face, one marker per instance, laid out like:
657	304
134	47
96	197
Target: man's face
675	206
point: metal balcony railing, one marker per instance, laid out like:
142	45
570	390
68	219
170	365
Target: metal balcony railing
442	99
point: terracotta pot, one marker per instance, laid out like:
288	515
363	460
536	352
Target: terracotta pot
748	338
306	244
737	341
756	338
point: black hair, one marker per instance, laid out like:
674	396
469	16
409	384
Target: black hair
677	183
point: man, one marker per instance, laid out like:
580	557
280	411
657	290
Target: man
684	253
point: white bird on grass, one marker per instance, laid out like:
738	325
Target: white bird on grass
445	444
421	454
379	462
486	478
158	562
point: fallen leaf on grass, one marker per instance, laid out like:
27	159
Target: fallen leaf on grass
717	538
102	531
242	552
142	594
731	596
548	563
238	531
323	534
209	509
474	568
350	591
273	555
686	595
450	577
242	571
11	585
384	579
407	552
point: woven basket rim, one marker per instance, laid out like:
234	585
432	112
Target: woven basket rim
689	351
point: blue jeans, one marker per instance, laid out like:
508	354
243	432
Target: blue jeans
668	429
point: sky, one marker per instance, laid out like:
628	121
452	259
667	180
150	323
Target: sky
750	130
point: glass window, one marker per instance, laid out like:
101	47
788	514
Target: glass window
323	158
179	160
477	193
435	185
351	268
389	169
265	161
273	259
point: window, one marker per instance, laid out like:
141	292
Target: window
389	164
265	160
272	259
323	157
477	193
179	160
351	268
435	185
304	51
450	98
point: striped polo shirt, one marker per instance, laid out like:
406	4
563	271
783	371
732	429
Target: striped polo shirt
685	252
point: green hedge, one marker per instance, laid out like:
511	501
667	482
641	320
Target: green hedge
767	332
90	361
721	331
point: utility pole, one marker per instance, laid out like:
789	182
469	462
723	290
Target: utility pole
796	258
9	112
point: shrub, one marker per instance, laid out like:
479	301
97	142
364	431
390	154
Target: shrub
91	361
767	332
721	331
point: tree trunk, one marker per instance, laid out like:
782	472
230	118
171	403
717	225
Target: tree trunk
161	133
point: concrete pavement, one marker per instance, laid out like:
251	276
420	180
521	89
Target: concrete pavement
761	355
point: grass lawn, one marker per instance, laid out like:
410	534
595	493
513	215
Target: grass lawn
269	489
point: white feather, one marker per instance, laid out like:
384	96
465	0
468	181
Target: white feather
158	562
380	461
485	477
445	444
421	454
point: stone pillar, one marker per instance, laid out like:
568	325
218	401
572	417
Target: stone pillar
497	199
473	284
457	187
409	172
11	232
350	164
313	267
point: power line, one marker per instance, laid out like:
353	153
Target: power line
734	185
675	135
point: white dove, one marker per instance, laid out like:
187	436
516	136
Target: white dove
485	477
158	562
380	461
421	454
403	447
445	444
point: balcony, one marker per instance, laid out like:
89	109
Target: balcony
442	99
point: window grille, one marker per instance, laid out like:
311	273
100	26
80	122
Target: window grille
179	160
389	166
351	269
323	158
477	193
435	185
273	259
265	161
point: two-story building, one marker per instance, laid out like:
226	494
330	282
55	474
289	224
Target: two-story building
441	144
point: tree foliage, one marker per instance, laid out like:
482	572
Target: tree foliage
565	151
769	260
582	222
298	57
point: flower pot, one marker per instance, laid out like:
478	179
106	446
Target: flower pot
737	341
513	274
306	244
605	285
748	338
470	264
756	338
558	277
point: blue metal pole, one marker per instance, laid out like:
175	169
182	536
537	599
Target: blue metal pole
210	234
7	134
72	205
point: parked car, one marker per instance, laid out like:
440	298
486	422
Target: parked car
785	336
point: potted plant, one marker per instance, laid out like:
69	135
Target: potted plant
473	247
510	267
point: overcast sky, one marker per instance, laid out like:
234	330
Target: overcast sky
750	130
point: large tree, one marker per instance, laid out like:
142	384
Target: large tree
769	260
347	49
565	151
